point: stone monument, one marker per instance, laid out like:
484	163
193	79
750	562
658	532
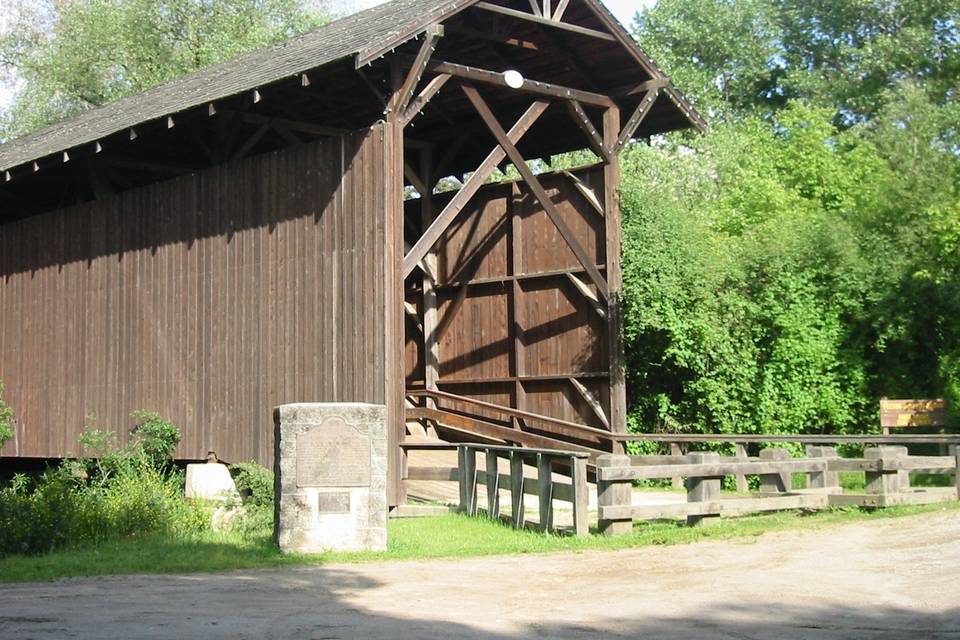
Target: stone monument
331	477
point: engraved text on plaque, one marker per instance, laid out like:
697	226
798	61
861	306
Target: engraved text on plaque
335	455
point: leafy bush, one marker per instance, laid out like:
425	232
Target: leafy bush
108	495
156	437
6	420
255	484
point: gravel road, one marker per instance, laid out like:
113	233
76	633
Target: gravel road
897	578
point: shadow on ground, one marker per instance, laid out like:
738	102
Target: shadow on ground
340	603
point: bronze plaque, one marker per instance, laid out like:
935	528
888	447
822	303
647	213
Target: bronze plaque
335	454
338	502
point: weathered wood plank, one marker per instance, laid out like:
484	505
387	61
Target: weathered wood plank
718	469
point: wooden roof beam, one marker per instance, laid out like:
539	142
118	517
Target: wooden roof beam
565	26
475	74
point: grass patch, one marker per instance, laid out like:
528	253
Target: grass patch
451	536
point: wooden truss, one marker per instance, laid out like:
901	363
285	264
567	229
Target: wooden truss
599	284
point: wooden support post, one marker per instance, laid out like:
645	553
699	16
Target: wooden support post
395	375
493	485
614	493
467	467
742	485
581	496
676	482
545	491
956	470
611	204
703	489
888	481
828	480
516	490
775	482
431	341
516	303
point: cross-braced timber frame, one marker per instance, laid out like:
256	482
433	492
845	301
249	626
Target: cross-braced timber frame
599	285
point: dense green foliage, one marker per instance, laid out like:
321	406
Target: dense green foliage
72	56
116	493
108	495
255	485
800	260
6	420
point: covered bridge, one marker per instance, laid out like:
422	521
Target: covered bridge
270	230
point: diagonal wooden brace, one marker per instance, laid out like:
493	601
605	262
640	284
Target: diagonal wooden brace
636	119
418	103
537	188
463	196
593	136
405	95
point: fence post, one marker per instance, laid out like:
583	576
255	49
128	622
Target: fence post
615	493
742	485
468	479
775	482
886	482
675	450
545	491
829	480
516	489
703	489
956	471
493	484
581	496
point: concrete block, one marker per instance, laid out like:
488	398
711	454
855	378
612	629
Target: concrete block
210	482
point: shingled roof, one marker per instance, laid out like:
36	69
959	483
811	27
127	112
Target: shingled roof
362	34
366	35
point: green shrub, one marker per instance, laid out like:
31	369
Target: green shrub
255	484
108	495
6	420
156	437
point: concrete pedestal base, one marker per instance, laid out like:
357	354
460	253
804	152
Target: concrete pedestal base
331	478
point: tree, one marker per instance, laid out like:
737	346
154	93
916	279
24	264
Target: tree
751	56
79	54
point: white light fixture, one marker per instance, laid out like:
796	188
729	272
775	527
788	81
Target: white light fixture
514	79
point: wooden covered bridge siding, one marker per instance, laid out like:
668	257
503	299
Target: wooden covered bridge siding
210	298
518	321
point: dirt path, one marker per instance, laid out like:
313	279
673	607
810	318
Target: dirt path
897	578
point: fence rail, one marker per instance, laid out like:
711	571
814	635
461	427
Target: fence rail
887	470
544	485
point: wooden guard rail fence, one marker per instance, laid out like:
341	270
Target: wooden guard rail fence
887	470
470	478
450	411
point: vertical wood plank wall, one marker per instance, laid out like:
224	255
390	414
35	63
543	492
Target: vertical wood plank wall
516	340
210	299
